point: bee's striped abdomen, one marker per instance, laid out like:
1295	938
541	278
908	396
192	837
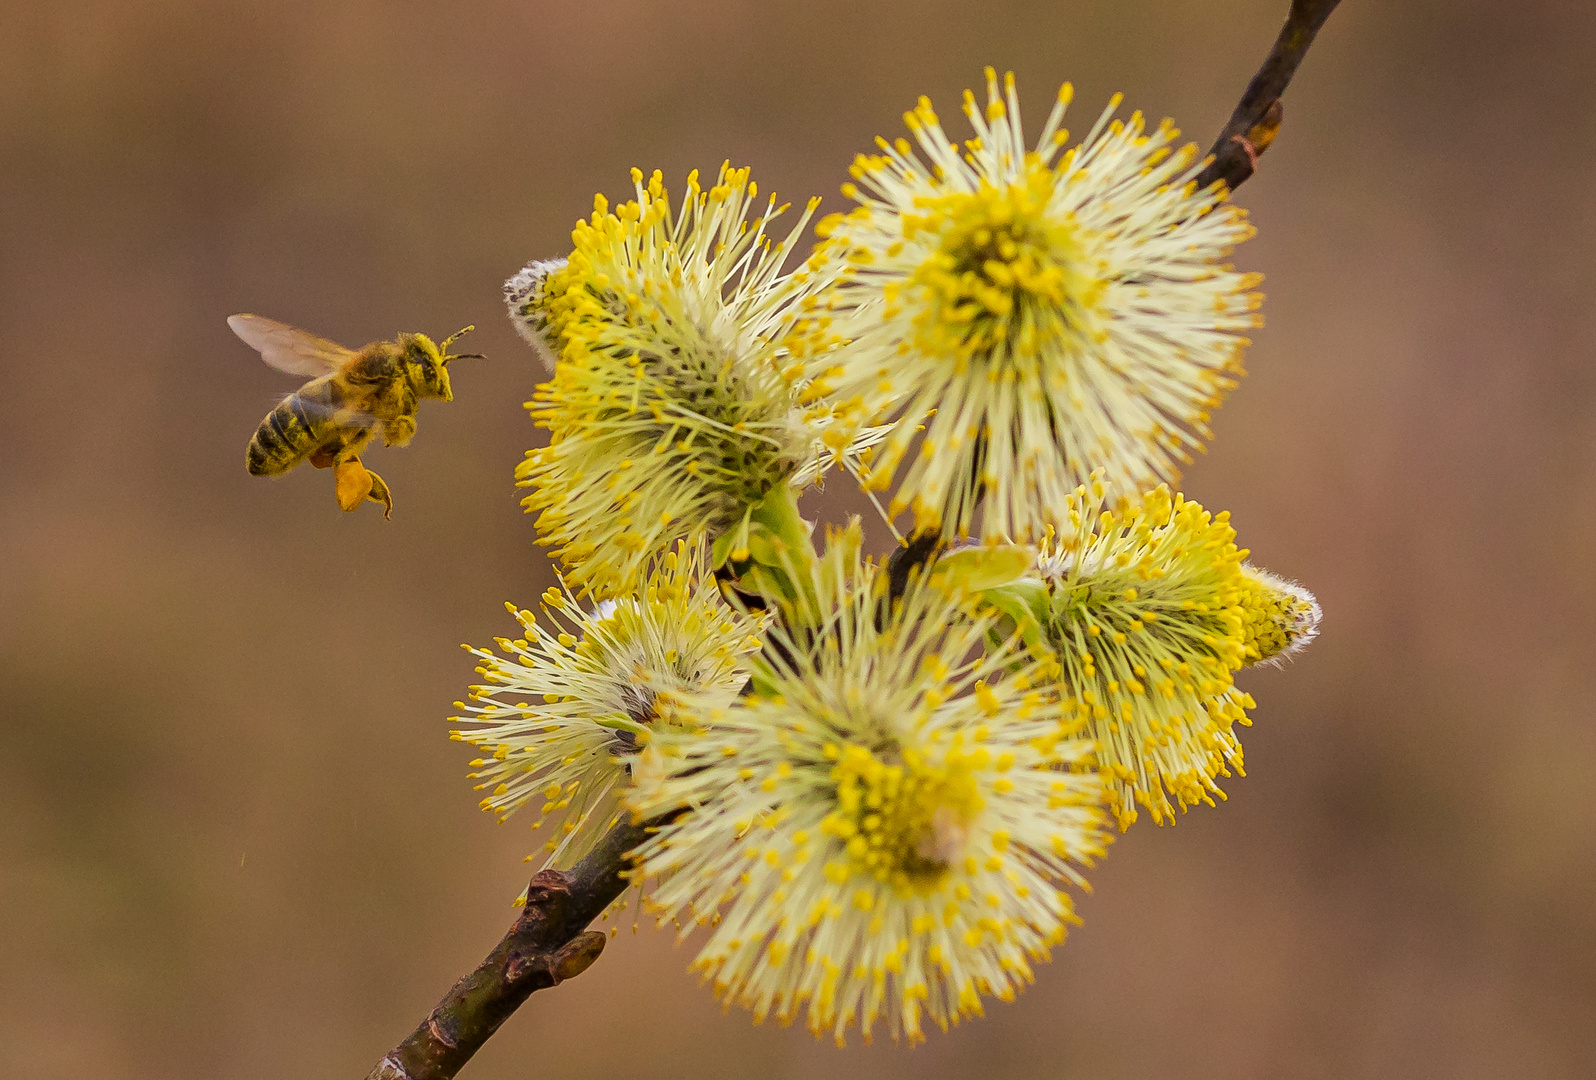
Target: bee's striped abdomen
290	432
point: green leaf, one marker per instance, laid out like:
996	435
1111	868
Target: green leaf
721	550
766	547
1025	602
979	568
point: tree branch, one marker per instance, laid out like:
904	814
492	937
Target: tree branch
548	944
1255	121
549	941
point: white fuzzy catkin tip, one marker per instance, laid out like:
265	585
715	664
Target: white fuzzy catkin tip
523	293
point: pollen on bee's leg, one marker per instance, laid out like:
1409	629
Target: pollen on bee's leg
322	459
353	482
398	431
380	494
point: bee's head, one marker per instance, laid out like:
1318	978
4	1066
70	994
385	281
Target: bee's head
428	364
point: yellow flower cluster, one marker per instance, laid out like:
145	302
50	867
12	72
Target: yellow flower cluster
875	791
896	818
1281	617
1147	613
1004	273
881	831
562	711
689	382
1042	312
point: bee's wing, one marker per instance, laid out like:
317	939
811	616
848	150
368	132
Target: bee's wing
311	403
286	348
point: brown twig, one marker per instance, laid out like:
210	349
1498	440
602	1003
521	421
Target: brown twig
1255	121
549	942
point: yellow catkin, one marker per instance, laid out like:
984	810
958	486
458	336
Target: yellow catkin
1150	612
881	828
563	710
1049	311
691	375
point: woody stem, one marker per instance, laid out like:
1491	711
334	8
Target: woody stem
548	943
1257	115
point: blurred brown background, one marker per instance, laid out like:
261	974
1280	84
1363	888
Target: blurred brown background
234	839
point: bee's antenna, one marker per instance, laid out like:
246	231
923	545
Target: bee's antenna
456	336
451	339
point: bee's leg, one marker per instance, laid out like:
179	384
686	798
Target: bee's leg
353	483
397	432
380	494
340	447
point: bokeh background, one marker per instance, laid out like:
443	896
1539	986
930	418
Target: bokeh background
235	841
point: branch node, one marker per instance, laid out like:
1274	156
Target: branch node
1261	134
1256	119
547	887
1248	149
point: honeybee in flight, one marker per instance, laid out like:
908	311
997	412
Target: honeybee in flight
352	393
